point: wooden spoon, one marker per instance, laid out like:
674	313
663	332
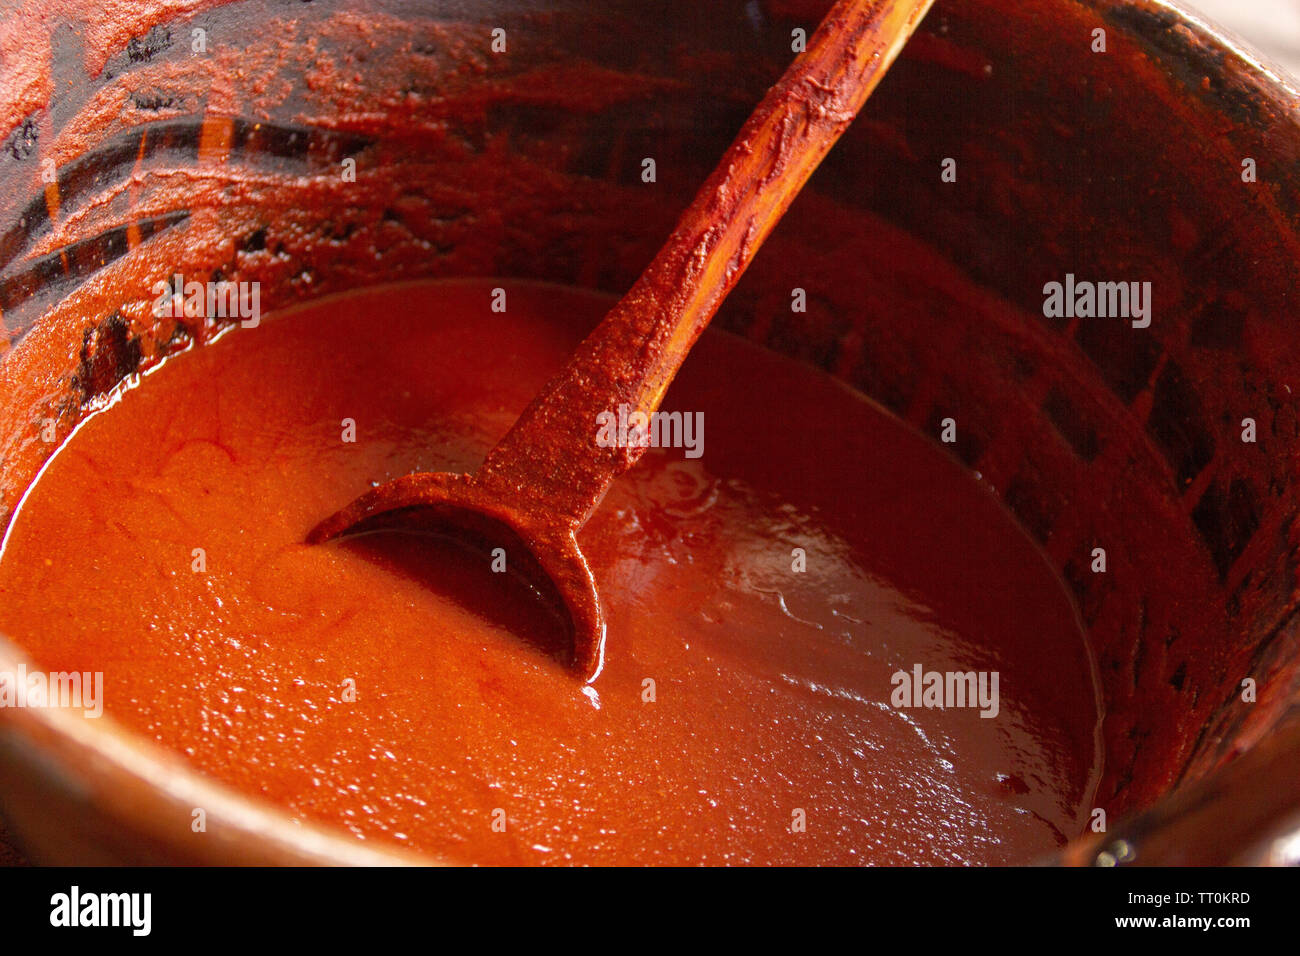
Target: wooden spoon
537	487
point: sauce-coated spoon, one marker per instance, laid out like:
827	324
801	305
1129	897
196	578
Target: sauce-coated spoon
542	481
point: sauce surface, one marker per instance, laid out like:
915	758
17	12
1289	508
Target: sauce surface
395	685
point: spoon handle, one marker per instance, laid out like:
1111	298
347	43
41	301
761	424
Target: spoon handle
550	461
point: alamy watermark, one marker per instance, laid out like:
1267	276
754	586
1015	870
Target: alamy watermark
946	689
214	300
1098	300
133	911
68	689
629	428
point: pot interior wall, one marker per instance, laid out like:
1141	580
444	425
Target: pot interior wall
926	295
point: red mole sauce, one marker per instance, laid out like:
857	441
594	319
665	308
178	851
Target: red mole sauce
394	684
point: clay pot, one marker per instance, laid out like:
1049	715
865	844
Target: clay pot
231	150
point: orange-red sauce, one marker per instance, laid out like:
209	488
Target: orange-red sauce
770	701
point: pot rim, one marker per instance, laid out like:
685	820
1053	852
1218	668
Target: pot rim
93	759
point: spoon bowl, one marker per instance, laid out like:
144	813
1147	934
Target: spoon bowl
547	554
